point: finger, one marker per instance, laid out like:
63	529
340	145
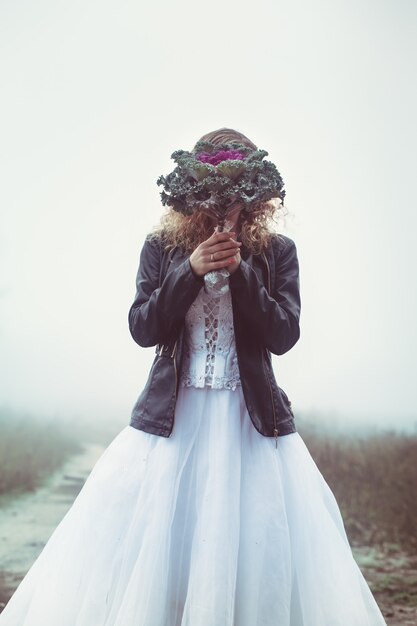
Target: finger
220	251
224	245
221	254
217	237
219	264
226	256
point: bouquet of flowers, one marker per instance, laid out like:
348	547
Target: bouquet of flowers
215	177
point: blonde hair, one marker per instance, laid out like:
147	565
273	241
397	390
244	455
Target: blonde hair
188	231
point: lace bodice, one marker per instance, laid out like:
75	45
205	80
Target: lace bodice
209	349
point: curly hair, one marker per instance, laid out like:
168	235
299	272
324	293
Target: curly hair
188	231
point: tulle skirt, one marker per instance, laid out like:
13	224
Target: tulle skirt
213	526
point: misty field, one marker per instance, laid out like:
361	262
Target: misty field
30	450
374	480
373	477
32	447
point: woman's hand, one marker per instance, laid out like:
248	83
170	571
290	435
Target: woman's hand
235	264
218	251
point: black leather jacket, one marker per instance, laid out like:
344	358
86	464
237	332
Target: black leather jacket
266	304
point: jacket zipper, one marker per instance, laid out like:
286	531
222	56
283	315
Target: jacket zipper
175	363
269	382
269	272
173	357
160	350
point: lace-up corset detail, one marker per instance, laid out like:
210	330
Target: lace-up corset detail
209	348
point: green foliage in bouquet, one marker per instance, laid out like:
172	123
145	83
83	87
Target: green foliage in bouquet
213	178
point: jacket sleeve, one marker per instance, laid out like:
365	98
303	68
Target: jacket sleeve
273	317
157	309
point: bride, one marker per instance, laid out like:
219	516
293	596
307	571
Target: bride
207	509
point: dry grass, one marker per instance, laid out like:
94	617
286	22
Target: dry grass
30	449
374	479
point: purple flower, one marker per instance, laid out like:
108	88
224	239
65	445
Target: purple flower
218	157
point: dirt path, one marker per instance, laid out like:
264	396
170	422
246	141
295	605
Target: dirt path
34	516
392	576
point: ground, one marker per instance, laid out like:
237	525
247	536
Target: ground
390	572
392	576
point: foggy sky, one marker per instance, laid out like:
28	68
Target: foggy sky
95	97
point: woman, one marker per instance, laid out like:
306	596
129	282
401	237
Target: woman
207	510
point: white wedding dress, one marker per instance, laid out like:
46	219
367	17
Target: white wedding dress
213	526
